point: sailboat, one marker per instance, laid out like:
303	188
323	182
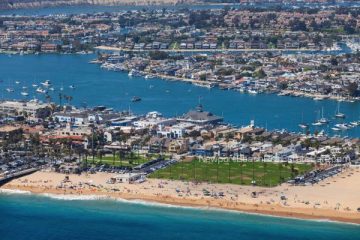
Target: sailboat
317	122
9	89
323	120
338	114
303	125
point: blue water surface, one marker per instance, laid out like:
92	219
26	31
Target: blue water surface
96	86
35	217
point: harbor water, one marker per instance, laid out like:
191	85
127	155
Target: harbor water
96	86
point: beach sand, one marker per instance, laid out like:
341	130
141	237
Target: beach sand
336	198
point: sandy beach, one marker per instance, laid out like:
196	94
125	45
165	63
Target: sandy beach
336	198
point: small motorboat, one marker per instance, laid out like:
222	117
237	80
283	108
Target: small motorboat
47	83
40	90
135	99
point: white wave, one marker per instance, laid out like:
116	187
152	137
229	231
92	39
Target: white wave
159	204
13	191
69	197
325	220
216	209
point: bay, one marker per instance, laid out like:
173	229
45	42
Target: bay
96	86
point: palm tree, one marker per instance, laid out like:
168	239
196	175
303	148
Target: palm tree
113	157
229	171
48	98
217	170
60	98
70	98
241	172
253	171
264	175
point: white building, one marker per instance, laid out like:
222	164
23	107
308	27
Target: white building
31	107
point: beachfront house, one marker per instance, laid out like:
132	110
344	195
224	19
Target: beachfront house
127	178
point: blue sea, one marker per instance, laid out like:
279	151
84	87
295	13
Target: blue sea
43	218
96	86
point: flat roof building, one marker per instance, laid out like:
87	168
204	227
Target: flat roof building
31	107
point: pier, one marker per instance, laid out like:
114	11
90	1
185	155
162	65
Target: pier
9	177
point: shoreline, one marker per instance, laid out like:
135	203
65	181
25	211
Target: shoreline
237	198
229	86
157	203
118	49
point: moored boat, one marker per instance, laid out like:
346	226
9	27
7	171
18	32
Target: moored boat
135	99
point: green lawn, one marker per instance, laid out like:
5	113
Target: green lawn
128	160
264	174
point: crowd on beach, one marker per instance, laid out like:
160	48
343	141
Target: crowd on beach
317	201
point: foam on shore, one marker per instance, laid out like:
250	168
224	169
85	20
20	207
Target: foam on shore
70	197
14	191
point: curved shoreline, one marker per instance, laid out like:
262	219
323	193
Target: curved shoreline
246	209
321	199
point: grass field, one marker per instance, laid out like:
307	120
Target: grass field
245	173
128	160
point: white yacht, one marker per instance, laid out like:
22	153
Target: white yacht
251	91
47	83
341	126
40	90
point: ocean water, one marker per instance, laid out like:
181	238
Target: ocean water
42	218
95	86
